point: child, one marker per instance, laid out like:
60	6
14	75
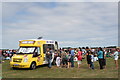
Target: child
92	60
95	57
58	61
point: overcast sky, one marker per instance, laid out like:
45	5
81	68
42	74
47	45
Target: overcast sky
72	24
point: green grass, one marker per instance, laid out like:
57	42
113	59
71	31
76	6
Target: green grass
54	72
0	71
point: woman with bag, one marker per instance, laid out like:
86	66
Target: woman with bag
79	57
69	59
116	55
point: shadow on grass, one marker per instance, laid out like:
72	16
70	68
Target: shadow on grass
40	66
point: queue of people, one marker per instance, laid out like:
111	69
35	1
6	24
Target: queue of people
65	57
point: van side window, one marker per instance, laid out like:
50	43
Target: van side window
36	52
45	46
56	45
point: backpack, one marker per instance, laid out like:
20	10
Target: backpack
103	55
69	56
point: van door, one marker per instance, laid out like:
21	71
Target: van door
40	57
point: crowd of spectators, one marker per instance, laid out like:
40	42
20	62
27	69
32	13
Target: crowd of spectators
6	54
67	57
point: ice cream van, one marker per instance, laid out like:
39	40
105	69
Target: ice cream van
31	53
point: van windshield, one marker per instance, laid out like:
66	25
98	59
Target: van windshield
26	50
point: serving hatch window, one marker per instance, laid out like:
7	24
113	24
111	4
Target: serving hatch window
45	46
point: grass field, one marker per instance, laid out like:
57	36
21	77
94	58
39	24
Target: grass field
0	71
54	72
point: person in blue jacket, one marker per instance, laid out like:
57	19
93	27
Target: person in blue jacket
100	58
72	52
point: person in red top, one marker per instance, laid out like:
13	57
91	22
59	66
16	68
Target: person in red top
79	57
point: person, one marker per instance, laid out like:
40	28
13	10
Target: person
49	57
72	52
55	56
108	54
58	59
100	58
4	54
11	53
7	55
68	59
119	53
79	57
116	57
95	57
0	56
83	52
104	58
88	57
92	60
63	58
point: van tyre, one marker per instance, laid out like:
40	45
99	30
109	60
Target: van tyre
33	66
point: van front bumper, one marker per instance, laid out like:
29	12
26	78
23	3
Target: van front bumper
19	65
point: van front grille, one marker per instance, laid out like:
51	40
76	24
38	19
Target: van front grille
17	60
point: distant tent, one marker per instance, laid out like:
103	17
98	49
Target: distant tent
111	47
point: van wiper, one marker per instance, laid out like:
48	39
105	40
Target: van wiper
19	53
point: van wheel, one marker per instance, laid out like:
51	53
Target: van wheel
33	66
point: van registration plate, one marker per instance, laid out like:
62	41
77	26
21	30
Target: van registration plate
16	64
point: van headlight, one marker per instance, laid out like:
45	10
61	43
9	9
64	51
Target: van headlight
25	59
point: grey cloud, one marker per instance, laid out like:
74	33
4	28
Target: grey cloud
74	23
60	1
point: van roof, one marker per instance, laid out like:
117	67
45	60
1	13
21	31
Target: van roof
37	40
